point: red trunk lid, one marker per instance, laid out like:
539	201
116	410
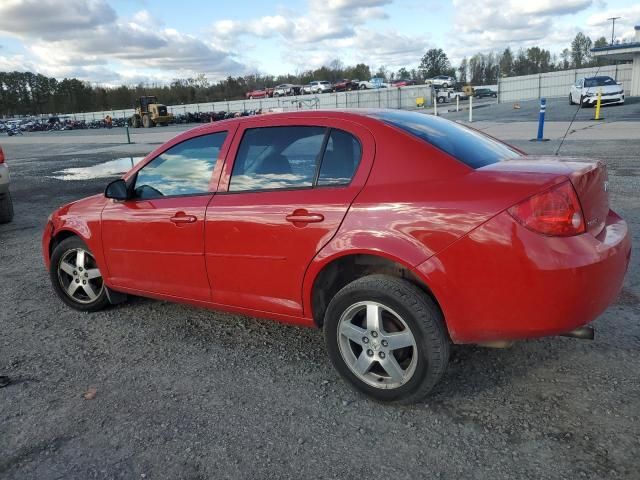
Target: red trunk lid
589	178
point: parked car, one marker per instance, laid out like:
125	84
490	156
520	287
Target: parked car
6	204
321	86
259	93
585	91
345	85
405	82
484	92
442	81
338	222
285	89
305	89
375	82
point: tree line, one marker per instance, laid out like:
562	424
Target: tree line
27	93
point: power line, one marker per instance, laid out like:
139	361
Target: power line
613	27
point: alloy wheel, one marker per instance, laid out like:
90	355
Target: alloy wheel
79	276
377	345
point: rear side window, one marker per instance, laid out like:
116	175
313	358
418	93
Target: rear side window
271	158
470	147
277	157
340	160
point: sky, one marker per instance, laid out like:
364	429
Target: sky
113	42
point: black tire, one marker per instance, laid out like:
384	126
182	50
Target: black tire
581	101
421	316
6	208
146	121
440	99
67	246
571	102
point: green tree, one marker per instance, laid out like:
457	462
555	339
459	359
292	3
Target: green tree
580	50
435	62
462	70
506	63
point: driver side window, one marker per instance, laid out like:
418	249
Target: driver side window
184	169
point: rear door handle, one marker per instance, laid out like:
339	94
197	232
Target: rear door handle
181	218
305	217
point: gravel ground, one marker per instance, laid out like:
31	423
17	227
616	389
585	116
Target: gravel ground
193	394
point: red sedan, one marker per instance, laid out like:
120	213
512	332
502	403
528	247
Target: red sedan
398	233
259	93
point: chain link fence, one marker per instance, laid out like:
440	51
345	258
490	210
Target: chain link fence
396	98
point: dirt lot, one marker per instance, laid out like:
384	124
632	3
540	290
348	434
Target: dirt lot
192	394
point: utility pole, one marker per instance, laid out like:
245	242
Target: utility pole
613	27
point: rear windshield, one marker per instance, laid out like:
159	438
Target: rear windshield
470	147
598	82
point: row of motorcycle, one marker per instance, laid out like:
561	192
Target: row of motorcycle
15	128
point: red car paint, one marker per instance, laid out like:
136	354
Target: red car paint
409	202
259	93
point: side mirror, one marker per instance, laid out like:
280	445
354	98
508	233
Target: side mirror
117	190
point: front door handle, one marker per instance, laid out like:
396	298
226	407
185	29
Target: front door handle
181	218
302	216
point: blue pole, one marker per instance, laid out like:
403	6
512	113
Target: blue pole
543	107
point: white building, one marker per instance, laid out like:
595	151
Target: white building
625	51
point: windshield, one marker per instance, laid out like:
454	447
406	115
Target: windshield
598	82
470	147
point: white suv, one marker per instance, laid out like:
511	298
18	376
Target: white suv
444	81
321	87
6	205
585	91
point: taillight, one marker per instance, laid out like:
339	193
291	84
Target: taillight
556	212
1	155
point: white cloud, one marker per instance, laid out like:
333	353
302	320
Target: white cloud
50	18
76	36
496	24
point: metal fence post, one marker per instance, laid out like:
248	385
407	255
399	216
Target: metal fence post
379	93
471	109
399	98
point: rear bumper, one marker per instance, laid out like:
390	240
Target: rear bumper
504	282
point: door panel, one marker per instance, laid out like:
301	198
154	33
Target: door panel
258	244
155	242
146	250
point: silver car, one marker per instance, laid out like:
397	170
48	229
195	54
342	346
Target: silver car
321	86
6	205
441	81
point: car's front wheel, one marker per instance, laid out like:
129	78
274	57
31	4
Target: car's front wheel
387	338
75	276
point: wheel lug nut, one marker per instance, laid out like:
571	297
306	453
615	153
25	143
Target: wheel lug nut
365	340
382	355
86	274
75	273
374	334
77	280
385	343
370	352
84	282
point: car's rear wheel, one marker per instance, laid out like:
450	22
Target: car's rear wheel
6	208
75	276
571	100
387	338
